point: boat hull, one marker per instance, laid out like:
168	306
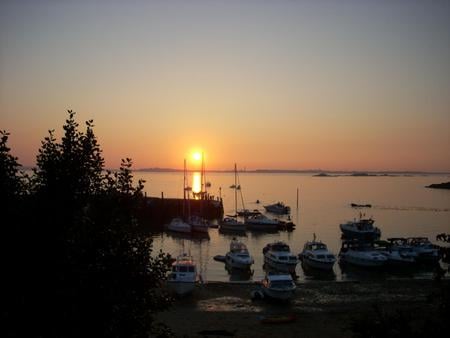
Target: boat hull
316	264
181	288
236	264
279	294
285	267
362	262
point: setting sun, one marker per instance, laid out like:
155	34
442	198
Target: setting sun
197	156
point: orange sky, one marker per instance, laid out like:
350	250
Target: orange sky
289	85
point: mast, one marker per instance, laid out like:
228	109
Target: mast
184	188
235	189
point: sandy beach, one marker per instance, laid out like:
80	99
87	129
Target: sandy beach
321	309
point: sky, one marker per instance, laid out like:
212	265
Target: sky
335	85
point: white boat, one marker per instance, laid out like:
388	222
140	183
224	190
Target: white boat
183	277
231	223
361	254
400	244
279	256
262	223
198	224
316	255
278	286
396	256
278	208
178	225
238	256
426	251
360	229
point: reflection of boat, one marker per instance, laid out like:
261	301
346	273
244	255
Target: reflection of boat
361	254
362	228
178	225
183	276
278	208
261	222
278	286
278	319
315	254
278	255
238	256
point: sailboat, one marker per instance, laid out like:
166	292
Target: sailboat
231	223
198	223
177	224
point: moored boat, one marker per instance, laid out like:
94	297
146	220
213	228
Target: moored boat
198	224
361	229
279	256
261	223
238	257
278	208
316	255
183	275
426	251
178	225
361	254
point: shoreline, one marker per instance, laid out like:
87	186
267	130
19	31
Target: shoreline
321	309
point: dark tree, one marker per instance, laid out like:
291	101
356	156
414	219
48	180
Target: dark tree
90	267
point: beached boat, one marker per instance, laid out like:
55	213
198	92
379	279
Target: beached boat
278	286
262	223
279	256
361	254
183	275
360	229
178	225
238	257
278	208
316	255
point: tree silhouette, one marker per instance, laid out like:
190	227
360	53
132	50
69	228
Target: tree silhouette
91	264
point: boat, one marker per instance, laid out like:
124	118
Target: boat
316	255
183	276
396	255
278	255
247	212
231	223
356	205
360	229
262	223
178	225
361	254
278	286
198	224
238	256
278	208
426	251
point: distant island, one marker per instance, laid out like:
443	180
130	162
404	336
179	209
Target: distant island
445	185
315	172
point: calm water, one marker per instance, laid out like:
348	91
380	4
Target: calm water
401	207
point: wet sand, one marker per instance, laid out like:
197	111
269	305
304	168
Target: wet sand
322	309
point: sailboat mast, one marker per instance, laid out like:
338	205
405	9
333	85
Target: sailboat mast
235	189
184	188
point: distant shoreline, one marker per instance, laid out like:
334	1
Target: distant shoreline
318	172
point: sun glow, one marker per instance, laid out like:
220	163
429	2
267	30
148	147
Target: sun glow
197	156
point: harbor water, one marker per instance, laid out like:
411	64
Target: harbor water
401	206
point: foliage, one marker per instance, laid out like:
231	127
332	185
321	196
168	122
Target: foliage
11	180
90	262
